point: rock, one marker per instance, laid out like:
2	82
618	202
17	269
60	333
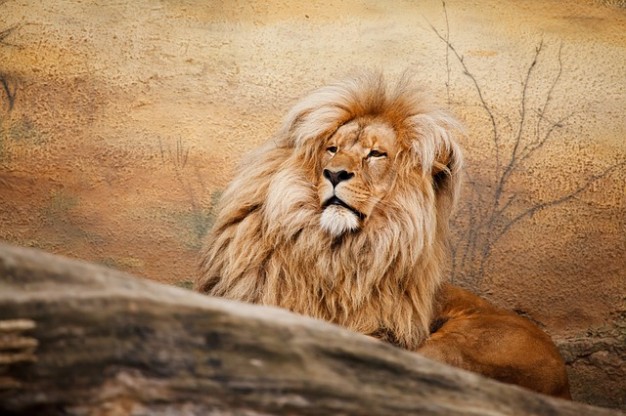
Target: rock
81	339
596	365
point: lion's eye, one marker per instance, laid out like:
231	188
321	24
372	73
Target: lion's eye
376	153
331	149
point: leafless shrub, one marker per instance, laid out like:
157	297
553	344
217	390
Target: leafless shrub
178	157
9	85
493	210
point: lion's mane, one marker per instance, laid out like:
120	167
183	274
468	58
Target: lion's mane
267	246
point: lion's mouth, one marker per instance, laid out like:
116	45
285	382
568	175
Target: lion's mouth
336	201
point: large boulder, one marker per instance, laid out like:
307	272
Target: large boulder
81	339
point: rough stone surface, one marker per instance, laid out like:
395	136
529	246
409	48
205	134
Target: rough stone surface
80	339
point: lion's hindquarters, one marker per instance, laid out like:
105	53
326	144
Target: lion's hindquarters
498	344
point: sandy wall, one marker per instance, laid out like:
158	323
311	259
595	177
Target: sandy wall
120	123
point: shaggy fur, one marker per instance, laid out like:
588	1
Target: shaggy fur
375	271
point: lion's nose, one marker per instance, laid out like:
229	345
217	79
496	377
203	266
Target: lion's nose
336	177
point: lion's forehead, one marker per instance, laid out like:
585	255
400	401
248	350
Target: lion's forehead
366	135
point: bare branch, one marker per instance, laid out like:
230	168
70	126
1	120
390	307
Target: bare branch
6	33
494	212
471	237
518	138
445	12
544	109
479	91
539	207
5	82
512	198
533	147
10	92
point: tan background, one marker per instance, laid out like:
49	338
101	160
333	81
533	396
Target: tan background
120	122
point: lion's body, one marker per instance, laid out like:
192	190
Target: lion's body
343	214
475	335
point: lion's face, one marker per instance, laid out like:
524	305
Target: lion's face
356	174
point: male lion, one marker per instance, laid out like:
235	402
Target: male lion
343	216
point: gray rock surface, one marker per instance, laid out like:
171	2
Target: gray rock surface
81	339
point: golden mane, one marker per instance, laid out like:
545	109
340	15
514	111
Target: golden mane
267	246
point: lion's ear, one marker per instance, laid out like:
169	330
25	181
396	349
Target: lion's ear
438	154
446	175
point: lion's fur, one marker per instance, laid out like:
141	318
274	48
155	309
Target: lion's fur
473	334
267	246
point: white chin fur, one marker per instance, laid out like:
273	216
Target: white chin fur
338	220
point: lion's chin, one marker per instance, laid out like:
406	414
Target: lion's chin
338	220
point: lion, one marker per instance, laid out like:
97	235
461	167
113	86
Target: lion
343	216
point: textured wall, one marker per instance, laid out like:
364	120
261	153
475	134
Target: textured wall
121	122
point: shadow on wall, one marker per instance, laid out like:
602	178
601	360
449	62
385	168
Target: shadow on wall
492	206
